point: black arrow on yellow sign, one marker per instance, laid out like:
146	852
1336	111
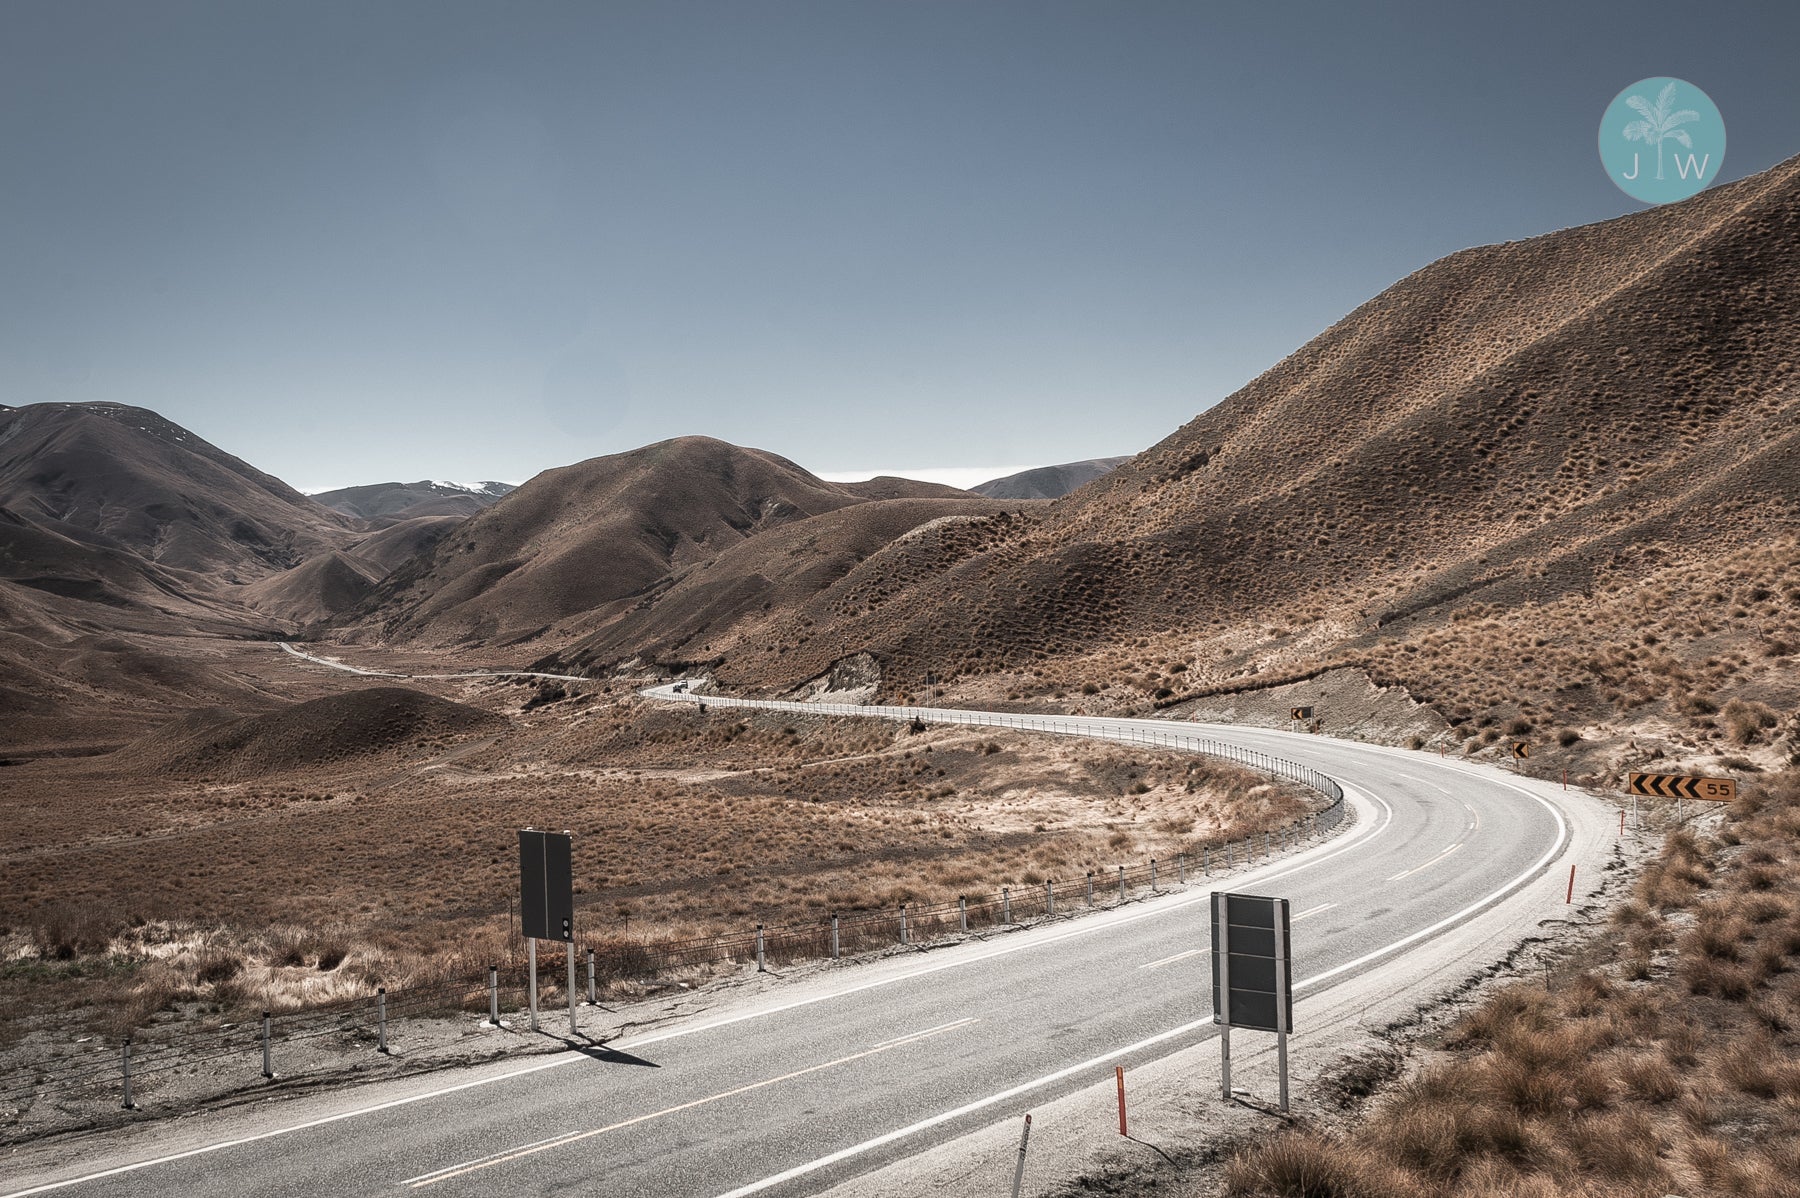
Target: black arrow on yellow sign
1684	786
1300	713
1521	749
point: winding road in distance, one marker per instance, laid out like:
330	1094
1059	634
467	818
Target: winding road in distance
815	1081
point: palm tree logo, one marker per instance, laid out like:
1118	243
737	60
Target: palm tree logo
1660	121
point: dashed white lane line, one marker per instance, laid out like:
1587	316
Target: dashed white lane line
1562	838
1309	860
1312	911
1192	952
512	1154
1407	873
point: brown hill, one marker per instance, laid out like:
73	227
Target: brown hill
153	488
316	589
711	609
385	550
571	548
213	743
1523	432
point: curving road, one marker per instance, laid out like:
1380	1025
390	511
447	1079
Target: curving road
826	1078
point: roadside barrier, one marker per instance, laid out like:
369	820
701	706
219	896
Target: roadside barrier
363	1023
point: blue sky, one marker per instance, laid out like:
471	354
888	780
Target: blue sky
357	242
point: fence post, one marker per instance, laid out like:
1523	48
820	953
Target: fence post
268	1069
1121	883
834	935
1049	899
593	993
381	1019
761	966
125	1065
903	923
962	911
1005	906
493	996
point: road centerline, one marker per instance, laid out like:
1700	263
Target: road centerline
1192	952
1405	873
504	1155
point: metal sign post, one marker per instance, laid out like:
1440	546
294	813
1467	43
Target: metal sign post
1253	984
547	903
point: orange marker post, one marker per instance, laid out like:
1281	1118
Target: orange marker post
1119	1073
1570	897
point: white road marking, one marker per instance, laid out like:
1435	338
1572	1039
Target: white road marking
283	1131
1312	911
1426	864
1562	834
1192	952
536	1146
1337	850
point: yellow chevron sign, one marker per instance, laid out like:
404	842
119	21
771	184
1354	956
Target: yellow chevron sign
1521	749
1684	786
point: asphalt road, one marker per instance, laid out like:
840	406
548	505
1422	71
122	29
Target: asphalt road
864	1064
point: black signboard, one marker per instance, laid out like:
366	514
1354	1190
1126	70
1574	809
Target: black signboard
1250	952
546	885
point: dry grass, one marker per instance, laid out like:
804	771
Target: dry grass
1682	1081
224	895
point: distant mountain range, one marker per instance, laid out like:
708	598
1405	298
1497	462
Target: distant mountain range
1049	482
404	501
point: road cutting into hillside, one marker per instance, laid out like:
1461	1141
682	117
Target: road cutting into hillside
868	1076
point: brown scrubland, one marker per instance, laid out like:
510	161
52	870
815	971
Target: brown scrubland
368	837
1667	1060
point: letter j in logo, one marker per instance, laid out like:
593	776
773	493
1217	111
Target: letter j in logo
1662	140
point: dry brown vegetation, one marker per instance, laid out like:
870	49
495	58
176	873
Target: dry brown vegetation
1673	1066
206	864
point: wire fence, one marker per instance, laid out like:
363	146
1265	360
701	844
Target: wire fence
237	1053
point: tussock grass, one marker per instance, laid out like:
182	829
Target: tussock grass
1641	1077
